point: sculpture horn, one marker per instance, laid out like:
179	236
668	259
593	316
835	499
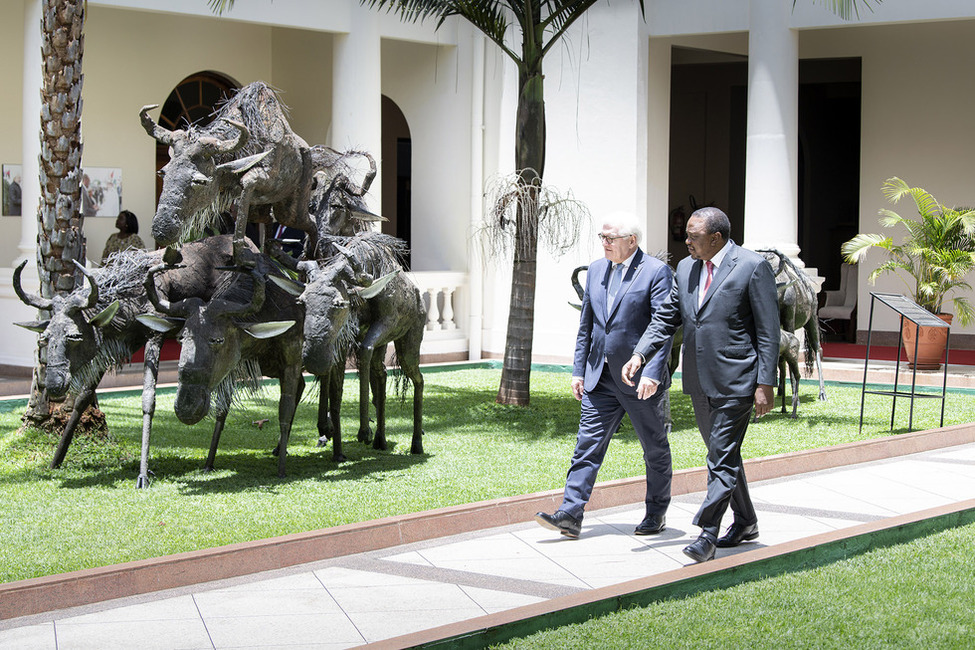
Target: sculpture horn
93	292
231	145
156	132
31	299
162	305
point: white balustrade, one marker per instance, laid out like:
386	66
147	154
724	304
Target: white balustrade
446	299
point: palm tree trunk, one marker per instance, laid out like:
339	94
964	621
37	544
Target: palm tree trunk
60	235
530	161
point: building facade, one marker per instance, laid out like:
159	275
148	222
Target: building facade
787	118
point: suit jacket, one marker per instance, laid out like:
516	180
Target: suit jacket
731	343
610	337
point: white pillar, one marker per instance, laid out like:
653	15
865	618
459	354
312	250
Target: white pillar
658	141
357	93
475	267
772	141
30	131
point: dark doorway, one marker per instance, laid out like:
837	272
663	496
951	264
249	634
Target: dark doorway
707	149
192	102
397	165
829	162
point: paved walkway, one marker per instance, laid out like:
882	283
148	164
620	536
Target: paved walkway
369	597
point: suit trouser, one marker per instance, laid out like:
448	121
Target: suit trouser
602	411
722	423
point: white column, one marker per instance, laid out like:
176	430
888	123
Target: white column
357	93
475	322
30	131
772	141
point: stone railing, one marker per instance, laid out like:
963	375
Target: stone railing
447	300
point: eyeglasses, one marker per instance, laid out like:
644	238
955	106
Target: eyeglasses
606	238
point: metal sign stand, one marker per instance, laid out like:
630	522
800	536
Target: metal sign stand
913	312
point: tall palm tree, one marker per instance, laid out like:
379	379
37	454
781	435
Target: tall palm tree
60	236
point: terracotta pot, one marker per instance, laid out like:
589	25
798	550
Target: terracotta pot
930	346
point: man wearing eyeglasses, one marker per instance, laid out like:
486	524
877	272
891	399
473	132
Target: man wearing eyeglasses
623	290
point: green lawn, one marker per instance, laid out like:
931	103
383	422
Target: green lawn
88	513
914	595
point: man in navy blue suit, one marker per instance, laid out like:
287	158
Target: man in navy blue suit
623	291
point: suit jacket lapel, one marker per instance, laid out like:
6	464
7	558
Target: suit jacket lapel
634	270
729	262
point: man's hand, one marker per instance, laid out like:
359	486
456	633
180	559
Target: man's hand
576	386
631	368
647	388
764	399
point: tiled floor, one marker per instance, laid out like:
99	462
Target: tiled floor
379	595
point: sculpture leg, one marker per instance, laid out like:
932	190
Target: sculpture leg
215	440
377	377
335	386
365	362
416	447
292	386
150	375
324	421
240	224
782	379
81	404
794	371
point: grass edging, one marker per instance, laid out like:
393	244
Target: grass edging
771	561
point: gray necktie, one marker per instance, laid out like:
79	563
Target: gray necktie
614	283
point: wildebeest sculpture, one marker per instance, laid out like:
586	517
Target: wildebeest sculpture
357	302
797	308
789	360
95	328
337	203
248	159
248	321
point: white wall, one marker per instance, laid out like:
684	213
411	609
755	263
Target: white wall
918	91
431	85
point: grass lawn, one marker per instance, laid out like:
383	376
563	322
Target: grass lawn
88	513
914	595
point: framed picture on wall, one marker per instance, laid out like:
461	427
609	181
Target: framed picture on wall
101	191
12	179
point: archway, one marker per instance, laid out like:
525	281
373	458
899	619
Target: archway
397	166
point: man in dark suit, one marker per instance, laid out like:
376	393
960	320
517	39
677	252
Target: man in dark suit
623	290
725	298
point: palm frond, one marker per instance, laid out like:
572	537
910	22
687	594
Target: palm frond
845	9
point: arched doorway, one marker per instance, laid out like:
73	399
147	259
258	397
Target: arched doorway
397	166
192	102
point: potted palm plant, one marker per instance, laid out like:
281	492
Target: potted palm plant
933	259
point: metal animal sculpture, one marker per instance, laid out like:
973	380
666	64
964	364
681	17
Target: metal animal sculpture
797	308
357	303
247	159
95	329
250	321
789	358
337	203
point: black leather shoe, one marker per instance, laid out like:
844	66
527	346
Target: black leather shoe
560	521
651	525
738	533
701	549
